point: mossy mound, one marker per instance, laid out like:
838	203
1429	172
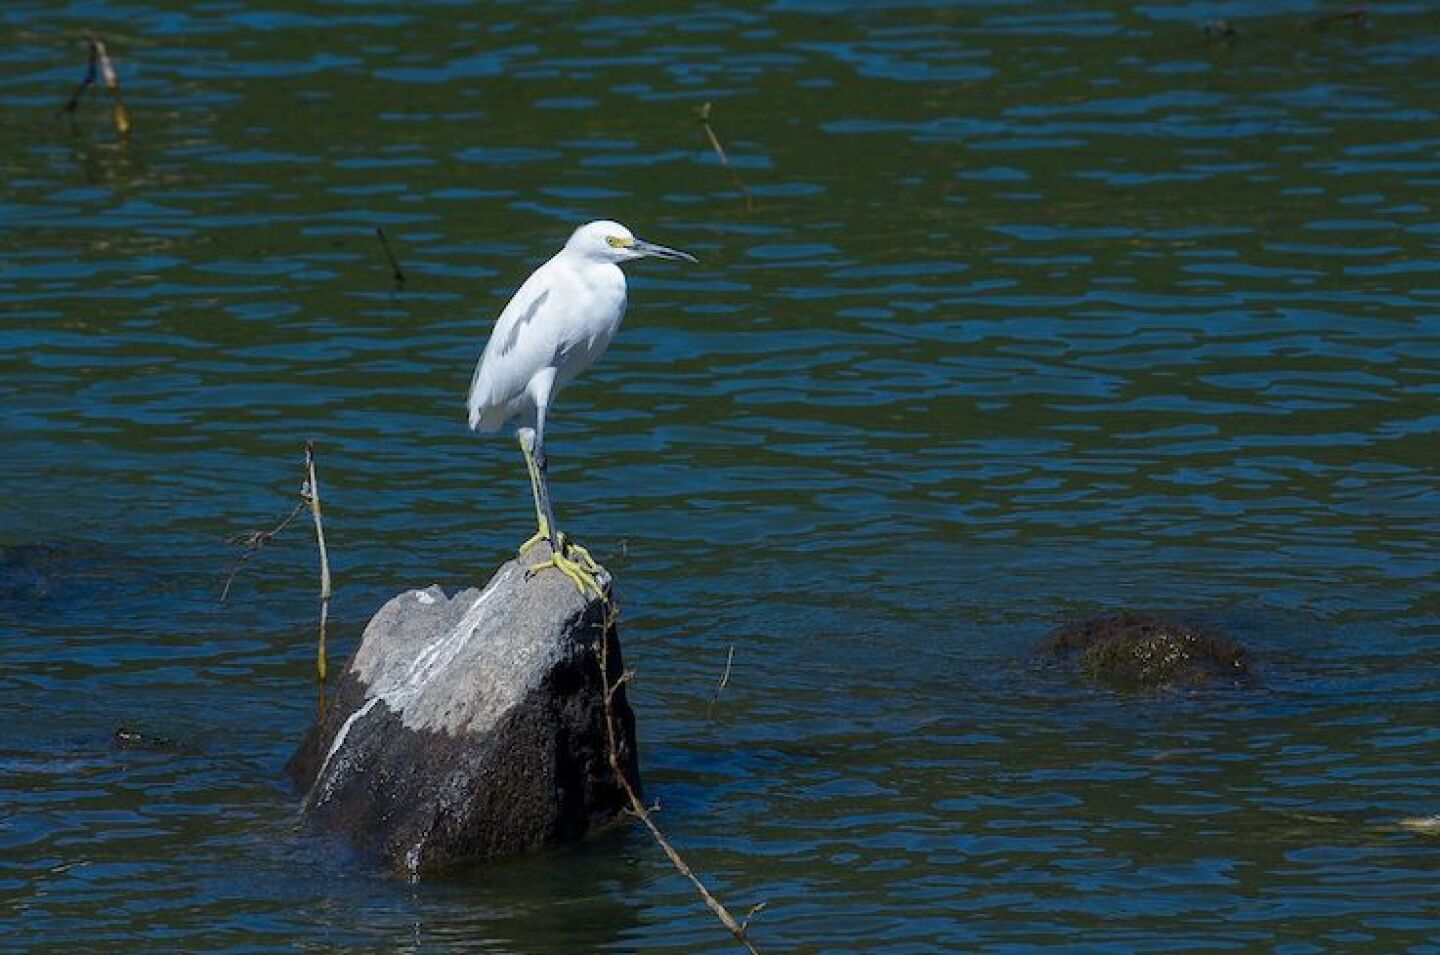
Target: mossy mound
1139	651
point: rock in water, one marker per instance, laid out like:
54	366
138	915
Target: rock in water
472	727
1139	651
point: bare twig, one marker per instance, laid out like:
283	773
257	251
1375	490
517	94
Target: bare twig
253	541
704	114
714	140
724	680
99	66
312	496
638	808
395	269
86	81
120	114
624	679
725	677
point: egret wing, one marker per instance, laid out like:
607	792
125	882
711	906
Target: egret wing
521	344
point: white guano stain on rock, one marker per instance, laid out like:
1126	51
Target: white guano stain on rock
488	653
322	789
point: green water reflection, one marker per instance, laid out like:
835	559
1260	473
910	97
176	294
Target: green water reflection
1031	310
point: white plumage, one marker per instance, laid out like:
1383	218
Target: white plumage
557	324
560	321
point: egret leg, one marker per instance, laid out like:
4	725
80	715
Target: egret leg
582	572
526	437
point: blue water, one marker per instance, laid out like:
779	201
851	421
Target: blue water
1006	314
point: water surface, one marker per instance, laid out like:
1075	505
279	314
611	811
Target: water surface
1023	312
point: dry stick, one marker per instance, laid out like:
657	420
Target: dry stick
737	929
87	81
724	160
120	114
714	140
99	64
724	680
725	677
389	254
312	495
253	541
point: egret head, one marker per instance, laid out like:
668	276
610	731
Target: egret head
612	242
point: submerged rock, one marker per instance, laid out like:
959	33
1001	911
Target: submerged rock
34	576
127	738
33	571
1139	651
471	727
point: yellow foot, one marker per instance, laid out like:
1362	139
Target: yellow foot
582	557
583	576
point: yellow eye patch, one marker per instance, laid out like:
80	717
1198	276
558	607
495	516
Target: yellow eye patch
616	242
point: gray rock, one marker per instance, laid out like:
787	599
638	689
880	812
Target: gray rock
471	727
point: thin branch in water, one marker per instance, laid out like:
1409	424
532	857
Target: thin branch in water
253	541
624	679
86	81
714	140
704	114
311	494
395	271
725	677
724	680
638	808
120	113
100	67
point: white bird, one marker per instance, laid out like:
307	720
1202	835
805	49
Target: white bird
557	324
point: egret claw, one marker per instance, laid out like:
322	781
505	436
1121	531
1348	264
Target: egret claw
581	576
588	563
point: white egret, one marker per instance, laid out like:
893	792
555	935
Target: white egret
556	325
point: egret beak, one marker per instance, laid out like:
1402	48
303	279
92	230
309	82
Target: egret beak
642	247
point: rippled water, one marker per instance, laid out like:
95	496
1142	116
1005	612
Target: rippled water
1022	312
